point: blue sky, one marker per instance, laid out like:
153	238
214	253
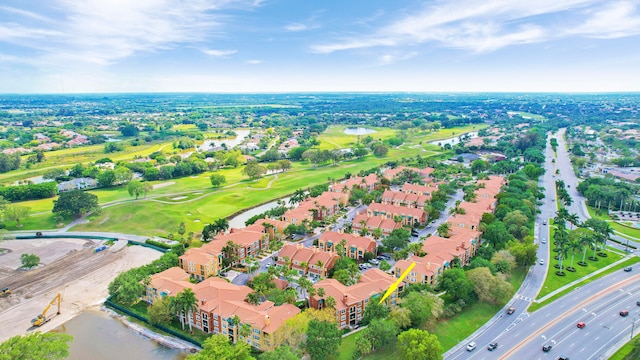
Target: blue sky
71	46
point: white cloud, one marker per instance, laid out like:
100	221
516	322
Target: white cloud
253	62
296	27
24	13
98	32
219	53
614	20
483	26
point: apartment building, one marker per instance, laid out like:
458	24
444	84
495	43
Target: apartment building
222	309
307	261
409	216
352	300
361	221
355	245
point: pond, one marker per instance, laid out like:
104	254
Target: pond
454	140
97	336
239	220
359	131
230	143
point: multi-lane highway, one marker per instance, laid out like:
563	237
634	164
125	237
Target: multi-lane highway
522	335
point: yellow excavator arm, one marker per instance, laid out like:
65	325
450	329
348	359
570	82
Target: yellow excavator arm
42	318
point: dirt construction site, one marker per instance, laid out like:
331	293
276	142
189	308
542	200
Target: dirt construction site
69	267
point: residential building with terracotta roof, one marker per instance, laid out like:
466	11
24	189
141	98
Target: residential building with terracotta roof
393	173
398	198
219	303
249	243
367	183
374	222
419	189
410	216
352	300
202	262
356	246
297	216
306	261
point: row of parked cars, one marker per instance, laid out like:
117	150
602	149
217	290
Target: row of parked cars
374	262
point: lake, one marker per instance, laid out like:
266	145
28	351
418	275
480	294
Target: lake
230	143
99	336
359	131
454	140
239	220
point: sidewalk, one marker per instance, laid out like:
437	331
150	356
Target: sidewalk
551	294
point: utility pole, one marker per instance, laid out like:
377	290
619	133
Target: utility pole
633	325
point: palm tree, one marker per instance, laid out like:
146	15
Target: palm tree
573	219
573	246
184	303
253	298
330	302
585	242
456	209
443	229
305	285
377	233
244	330
321	292
221	225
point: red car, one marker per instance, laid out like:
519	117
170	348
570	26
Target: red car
581	325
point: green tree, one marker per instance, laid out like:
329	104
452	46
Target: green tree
489	288
53	174
75	203
36	346
107	178
254	170
374	310
420	307
323	339
454	281
218	347
416	344
381	333
136	188
444	229
217	179
497	235
126	289
16	213
384	265
281	353
160	312
398	238
29	260
400	316
186	302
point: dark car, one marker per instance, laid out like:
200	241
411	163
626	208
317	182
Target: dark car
628	269
563	358
511	310
492	346
415	232
581	325
547	348
638	302
624	313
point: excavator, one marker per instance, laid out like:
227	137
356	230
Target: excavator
42	318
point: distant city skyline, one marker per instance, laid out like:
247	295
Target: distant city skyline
257	46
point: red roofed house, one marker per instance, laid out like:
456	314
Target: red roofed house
374	222
411	200
410	216
219	303
355	246
312	261
352	300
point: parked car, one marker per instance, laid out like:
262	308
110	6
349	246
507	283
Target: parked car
415	232
544	222
374	261
492	346
581	325
471	346
624	313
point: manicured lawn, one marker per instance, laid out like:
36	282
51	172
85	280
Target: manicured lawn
626	230
553	281
335	138
457	328
625	352
347	348
631	261
598	214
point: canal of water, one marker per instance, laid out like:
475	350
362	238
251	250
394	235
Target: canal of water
99	336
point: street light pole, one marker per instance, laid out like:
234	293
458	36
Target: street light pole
633	325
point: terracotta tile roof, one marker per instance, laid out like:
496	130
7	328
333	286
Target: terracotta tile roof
171	281
360	242
243	238
201	255
372	282
400	210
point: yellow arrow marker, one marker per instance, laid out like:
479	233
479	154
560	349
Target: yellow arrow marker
394	286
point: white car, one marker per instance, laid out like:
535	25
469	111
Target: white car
471	346
541	261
